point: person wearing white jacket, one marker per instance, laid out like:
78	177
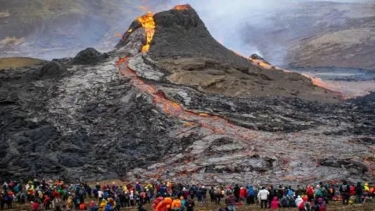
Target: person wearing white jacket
298	200
263	197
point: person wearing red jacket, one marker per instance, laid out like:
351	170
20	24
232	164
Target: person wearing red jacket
56	195
156	202
274	203
46	202
34	206
310	193
352	190
243	193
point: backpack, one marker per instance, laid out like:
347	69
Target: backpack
310	192
290	195
307	206
217	191
251	192
319	193
344	188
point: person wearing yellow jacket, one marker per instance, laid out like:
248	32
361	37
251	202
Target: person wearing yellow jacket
366	187
366	190
149	186
125	189
176	204
102	205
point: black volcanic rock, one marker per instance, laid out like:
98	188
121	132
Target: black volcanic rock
53	70
125	38
102	122
182	34
89	56
111	128
257	57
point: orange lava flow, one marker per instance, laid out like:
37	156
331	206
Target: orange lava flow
260	63
182	7
315	81
148	24
215	124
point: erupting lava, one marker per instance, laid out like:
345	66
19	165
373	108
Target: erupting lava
261	63
182	7
215	124
148	24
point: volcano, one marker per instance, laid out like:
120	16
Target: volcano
171	103
182	45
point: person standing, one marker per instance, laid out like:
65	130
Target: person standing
310	193
236	192
274	204
344	191
263	197
230	201
100	196
359	193
250	195
190	204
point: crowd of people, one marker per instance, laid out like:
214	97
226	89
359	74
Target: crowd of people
167	196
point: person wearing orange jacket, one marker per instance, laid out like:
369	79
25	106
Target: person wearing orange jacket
176	204
164	205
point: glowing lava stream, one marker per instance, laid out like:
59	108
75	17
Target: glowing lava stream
216	124
148	23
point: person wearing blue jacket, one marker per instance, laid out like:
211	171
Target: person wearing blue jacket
250	199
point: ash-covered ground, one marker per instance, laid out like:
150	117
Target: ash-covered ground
186	110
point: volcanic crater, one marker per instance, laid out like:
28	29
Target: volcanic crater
170	102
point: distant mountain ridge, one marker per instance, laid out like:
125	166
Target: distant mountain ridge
317	34
53	29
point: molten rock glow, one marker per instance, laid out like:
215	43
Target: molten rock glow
182	7
148	24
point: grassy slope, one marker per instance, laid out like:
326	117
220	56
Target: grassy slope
17	62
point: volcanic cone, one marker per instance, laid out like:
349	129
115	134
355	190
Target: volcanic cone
181	44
